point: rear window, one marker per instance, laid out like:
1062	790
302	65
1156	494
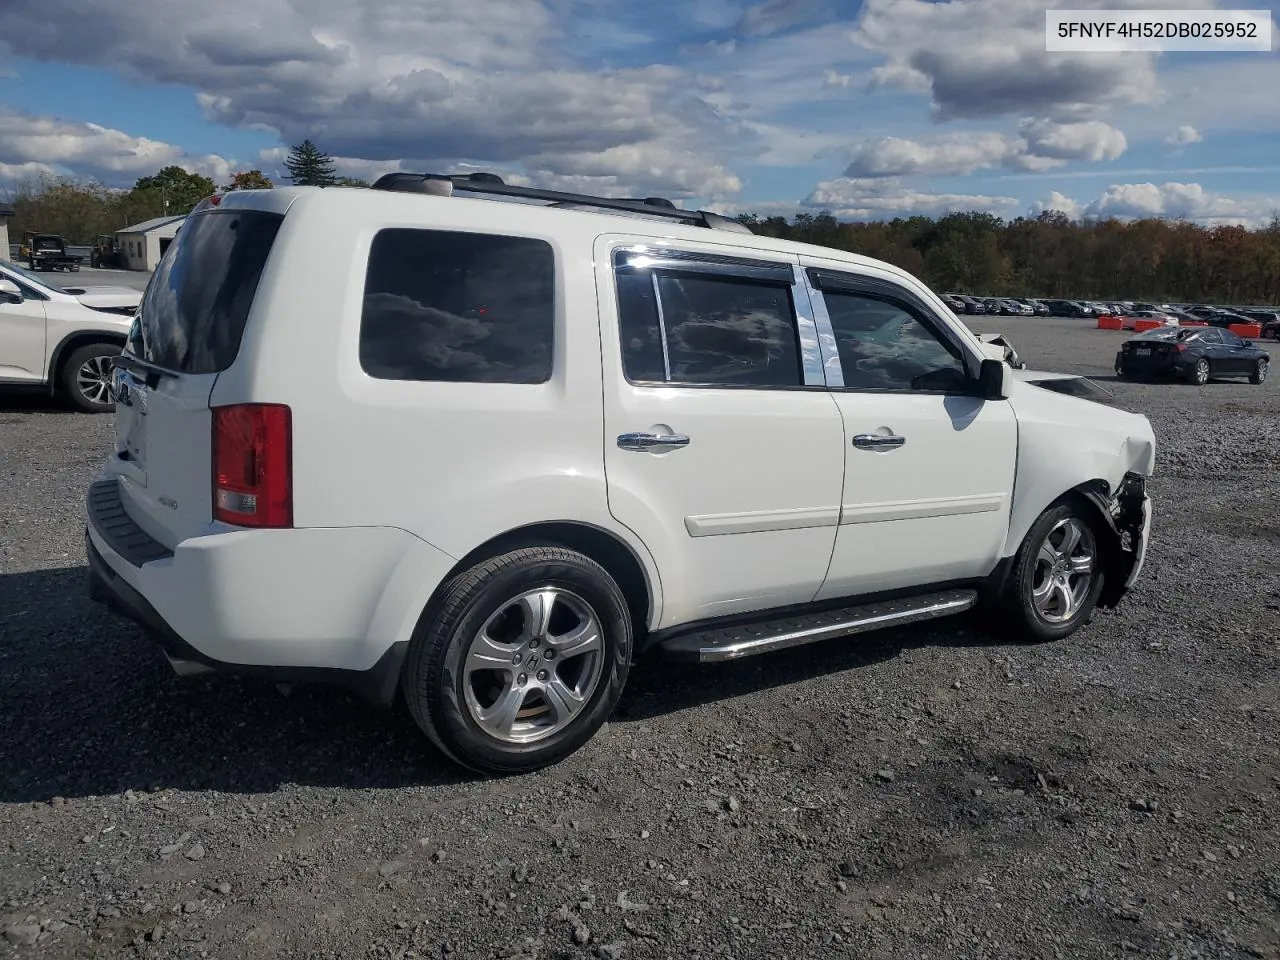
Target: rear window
192	316
458	307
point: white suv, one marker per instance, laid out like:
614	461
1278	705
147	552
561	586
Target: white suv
483	453
61	339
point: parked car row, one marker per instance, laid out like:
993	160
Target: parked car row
1170	313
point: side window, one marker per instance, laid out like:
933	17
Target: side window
718	331
458	307
883	346
1210	336
1230	338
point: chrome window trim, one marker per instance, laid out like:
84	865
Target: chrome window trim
831	372
694	261
662	326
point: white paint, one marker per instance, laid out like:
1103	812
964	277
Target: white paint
32	331
768	505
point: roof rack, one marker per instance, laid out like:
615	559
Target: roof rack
444	185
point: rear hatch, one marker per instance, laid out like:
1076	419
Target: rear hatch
187	330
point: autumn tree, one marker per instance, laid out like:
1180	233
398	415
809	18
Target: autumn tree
308	166
248	180
173	191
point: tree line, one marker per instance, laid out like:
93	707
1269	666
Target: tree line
80	210
1164	261
977	253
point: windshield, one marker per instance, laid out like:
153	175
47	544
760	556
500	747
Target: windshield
40	283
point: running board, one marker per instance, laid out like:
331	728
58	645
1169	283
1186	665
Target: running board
762	636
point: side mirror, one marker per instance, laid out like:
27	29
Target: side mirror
991	380
10	290
1247	343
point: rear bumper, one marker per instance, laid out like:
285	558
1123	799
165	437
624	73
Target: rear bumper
376	684
333	605
1158	367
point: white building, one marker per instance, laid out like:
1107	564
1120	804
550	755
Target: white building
6	212
143	244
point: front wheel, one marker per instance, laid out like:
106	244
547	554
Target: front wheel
1056	577
1259	373
86	377
520	660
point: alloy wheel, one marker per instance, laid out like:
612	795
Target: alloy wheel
93	379
1064	570
533	666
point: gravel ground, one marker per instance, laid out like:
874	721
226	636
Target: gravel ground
921	793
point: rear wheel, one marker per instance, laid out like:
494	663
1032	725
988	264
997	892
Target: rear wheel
1057	575
1200	373
1259	373
520	660
86	377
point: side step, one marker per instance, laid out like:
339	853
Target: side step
746	639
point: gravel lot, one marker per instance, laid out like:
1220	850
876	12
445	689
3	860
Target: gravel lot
921	793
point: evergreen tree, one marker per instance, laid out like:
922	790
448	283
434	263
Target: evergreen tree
308	166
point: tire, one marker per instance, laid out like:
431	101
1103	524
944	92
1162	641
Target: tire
1119	367
1200	373
86	377
483	616
1031	604
1259	374
95	261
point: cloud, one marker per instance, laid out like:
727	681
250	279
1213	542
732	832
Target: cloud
1092	140
1184	136
768	17
1058	203
1188	201
830	78
491	81
852	198
986	58
33	144
1042	146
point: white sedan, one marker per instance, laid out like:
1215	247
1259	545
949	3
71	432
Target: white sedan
62	338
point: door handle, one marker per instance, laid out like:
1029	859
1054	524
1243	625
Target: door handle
876	441
652	441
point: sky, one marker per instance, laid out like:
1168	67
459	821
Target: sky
868	109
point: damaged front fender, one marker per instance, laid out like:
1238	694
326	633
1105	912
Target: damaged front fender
1128	517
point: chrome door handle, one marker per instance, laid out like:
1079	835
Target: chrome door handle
876	441
652	441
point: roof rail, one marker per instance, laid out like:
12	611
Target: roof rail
444	185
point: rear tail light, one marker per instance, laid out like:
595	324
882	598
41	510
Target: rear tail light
252	465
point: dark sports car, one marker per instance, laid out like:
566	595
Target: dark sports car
1197	354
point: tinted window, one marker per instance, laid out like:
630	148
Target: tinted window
193	314
882	346
718	331
458	307
638	328
1230	339
1209	336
